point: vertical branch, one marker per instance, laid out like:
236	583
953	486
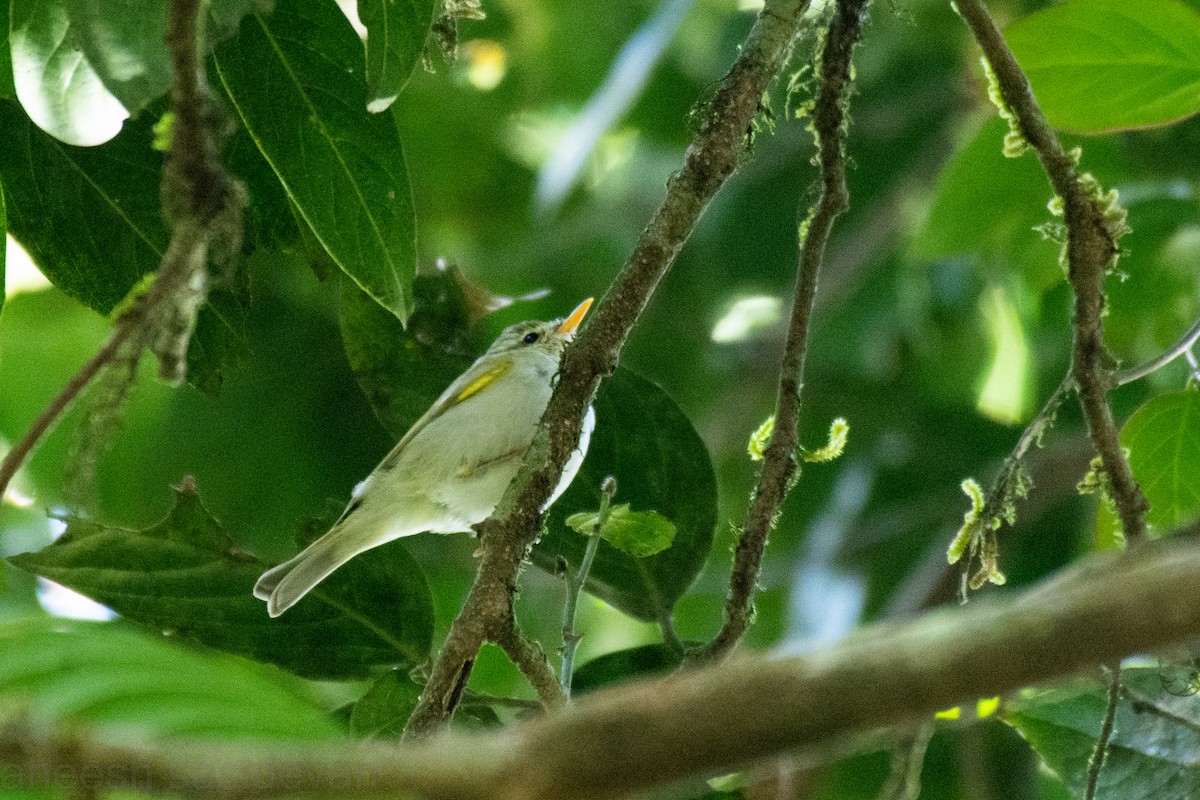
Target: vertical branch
1092	230
779	468
507	536
1096	762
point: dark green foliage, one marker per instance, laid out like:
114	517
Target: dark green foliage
185	576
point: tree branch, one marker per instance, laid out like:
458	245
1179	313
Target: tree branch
702	722
779	468
509	533
1092	228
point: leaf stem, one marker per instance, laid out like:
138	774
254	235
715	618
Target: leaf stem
1096	762
575	581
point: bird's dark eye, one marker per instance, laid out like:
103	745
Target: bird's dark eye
530	338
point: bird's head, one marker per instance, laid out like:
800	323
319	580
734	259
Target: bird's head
551	337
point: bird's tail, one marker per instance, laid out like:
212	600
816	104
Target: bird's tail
283	586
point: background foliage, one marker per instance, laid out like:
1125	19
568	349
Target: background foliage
942	324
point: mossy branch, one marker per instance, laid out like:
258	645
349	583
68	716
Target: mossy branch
711	158
1093	224
780	466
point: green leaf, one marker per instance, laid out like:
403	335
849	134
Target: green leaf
403	370
638	533
123	41
218	345
1163	438
645	442
1014	193
1152	752
110	677
396	33
54	80
89	217
3	236
296	80
7	89
386	707
622	665
1108	65
185	576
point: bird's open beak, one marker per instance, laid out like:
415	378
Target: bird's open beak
572	322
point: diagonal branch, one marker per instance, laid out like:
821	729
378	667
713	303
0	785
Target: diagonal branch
779	469
1092	227
507	536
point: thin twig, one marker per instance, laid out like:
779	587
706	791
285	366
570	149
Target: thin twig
531	660
507	536
1181	346
1100	753
1091	250
574	587
908	758
779	461
50	414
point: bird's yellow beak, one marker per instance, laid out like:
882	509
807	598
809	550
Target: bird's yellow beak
572	322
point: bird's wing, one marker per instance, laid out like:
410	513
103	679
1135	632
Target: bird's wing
465	386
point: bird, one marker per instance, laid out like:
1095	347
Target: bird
451	468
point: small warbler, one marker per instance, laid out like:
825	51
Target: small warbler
451	468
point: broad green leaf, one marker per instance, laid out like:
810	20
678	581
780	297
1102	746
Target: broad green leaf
185	576
3	236
89	217
54	80
403	370
638	533
1107	65
1163	438
296	80
396	33
112	678
218	344
123	41
987	205
645	442
382	712
7	89
1154	752
622	665
641	438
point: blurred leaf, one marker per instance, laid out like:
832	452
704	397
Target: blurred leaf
111	677
650	659
219	342
1153	749
7	89
90	217
123	41
638	533
645	442
185	576
296	79
396	33
1163	438
54	80
402	371
987	204
3	237
1106	65
385	708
